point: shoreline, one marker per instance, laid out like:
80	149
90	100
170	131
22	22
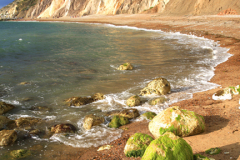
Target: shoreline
222	117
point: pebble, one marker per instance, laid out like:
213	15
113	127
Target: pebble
226	152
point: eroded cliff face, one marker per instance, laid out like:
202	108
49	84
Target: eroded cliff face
61	8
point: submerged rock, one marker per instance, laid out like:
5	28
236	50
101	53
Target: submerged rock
133	101
168	147
24	83
137	144
92	120
159	100
118	121
21	153
128	113
63	128
4	121
125	66
7	137
4	107
78	101
178	121
40	108
149	115
159	86
27	122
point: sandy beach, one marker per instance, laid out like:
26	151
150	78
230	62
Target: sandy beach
222	117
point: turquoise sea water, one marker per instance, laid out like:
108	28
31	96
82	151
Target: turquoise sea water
61	60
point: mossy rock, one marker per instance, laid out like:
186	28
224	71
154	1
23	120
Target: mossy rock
159	86
21	153
137	144
118	121
213	151
168	147
4	107
181	122
149	115
133	101
92	120
125	66
200	157
159	100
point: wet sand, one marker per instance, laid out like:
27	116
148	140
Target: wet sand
222	117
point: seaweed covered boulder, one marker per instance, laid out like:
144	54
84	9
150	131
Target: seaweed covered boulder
148	115
63	128
4	107
137	144
159	86
125	66
21	153
118	121
181	122
7	137
92	120
133	101
27	122
168	147
128	113
159	100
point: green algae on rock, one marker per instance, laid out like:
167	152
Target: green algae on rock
159	86
133	101
159	100
149	115
125	66
21	153
137	144
181	122
92	120
213	151
168	147
118	121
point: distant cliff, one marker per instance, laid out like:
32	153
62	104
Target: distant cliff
61	8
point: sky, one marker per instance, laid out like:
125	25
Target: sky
5	2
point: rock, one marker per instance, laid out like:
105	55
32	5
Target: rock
27	122
63	128
92	120
200	157
7	137
223	94
181	122
149	115
4	107
235	90
128	113
118	121
125	66
159	86
159	100
40	108
104	147
21	153
4	121
133	101
78	101
213	151
24	83
168	147
137	144
34	132
98	96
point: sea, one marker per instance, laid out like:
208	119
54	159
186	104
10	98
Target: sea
45	63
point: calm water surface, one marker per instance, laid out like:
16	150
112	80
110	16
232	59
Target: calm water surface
62	60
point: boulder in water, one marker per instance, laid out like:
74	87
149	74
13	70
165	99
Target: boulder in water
159	86
7	137
128	113
181	122
168	147
27	122
133	101
98	96
149	115
4	107
118	121
125	66
63	128
159	100
92	120
137	144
